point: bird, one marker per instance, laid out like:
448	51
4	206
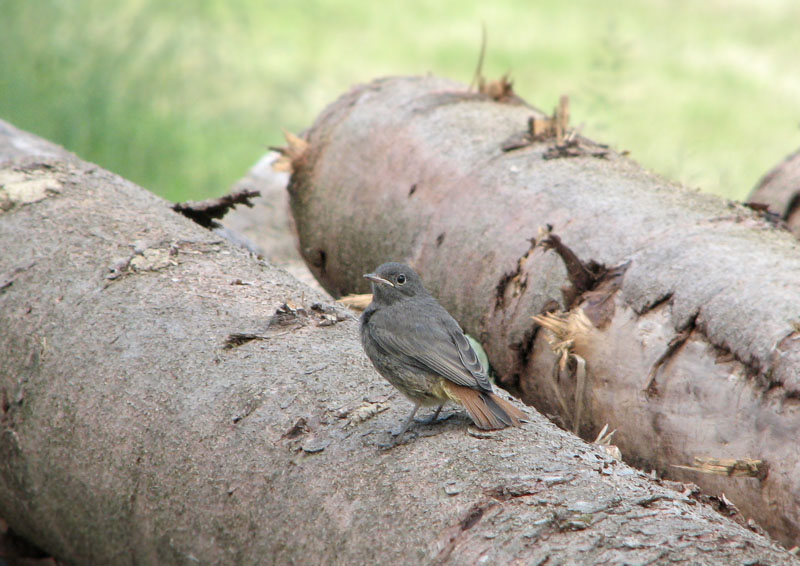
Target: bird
418	347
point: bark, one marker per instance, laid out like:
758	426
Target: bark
692	347
780	191
170	399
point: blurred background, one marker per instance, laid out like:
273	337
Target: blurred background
183	97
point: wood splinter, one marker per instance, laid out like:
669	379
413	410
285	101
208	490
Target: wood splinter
564	328
291	153
742	467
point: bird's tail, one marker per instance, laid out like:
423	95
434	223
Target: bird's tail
487	410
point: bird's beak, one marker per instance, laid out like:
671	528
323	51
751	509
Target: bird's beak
378	279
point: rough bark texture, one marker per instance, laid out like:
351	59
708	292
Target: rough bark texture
780	190
694	348
135	430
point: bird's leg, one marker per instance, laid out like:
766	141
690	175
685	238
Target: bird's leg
405	426
435	416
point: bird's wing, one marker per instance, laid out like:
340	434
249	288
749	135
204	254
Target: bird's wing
427	337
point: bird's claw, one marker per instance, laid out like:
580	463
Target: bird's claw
434	419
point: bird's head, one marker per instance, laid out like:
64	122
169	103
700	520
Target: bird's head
395	282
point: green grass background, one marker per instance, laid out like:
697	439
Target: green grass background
183	97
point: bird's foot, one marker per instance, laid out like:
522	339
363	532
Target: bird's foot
434	418
398	431
396	438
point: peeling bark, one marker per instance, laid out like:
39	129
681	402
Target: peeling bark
693	349
206	213
137	429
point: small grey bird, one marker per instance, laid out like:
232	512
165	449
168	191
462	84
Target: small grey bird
420	349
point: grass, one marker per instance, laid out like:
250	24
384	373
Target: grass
184	97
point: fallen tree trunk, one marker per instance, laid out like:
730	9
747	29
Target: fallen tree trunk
692	347
780	191
158	409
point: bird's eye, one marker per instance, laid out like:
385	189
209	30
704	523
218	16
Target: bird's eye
401	279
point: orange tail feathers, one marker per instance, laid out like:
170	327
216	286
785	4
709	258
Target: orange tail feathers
487	410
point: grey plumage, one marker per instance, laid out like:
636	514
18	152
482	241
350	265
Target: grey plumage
420	349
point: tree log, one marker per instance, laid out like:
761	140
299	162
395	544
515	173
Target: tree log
692	346
169	399
780	191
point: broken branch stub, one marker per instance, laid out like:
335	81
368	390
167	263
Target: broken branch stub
693	348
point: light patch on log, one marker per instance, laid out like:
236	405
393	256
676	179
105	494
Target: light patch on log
152	259
18	188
